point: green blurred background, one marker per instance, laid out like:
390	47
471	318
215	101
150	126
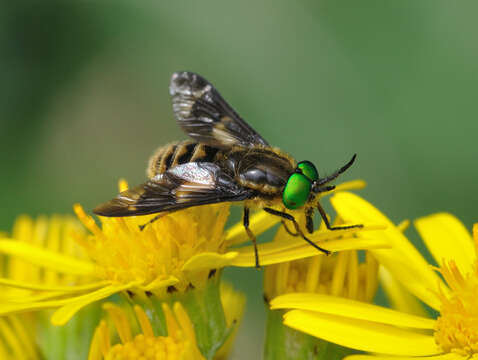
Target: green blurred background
84	98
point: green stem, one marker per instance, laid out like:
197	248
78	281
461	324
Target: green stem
284	343
205	311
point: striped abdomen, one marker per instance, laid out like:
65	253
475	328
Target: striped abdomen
181	152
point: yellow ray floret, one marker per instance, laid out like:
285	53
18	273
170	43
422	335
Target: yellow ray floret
403	259
352	309
362	335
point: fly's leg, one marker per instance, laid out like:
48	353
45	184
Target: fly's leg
309	221
323	215
141	227
251	235
297	228
287	229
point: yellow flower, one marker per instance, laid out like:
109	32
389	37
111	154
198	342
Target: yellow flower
177	252
28	335
52	235
180	343
400	335
339	275
142	338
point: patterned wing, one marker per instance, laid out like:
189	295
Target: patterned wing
205	116
183	186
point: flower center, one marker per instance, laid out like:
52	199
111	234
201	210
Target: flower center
150	347
457	327
123	253
179	344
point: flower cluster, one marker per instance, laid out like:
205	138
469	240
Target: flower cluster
157	293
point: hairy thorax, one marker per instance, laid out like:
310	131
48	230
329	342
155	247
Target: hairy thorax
262	169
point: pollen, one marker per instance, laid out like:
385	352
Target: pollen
457	327
124	253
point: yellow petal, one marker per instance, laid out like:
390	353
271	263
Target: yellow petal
4	351
321	237
350	185
46	259
403	225
33	304
122	185
410	278
119	318
10	338
362	335
65	289
258	223
278	252
208	260
95	352
371	280
348	308
21	331
66	312
87	220
447	239
12	308
404	261
171	323
41	297
184	322
399	298
449	356
143	321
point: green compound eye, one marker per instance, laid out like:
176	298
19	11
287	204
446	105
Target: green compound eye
296	191
309	170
